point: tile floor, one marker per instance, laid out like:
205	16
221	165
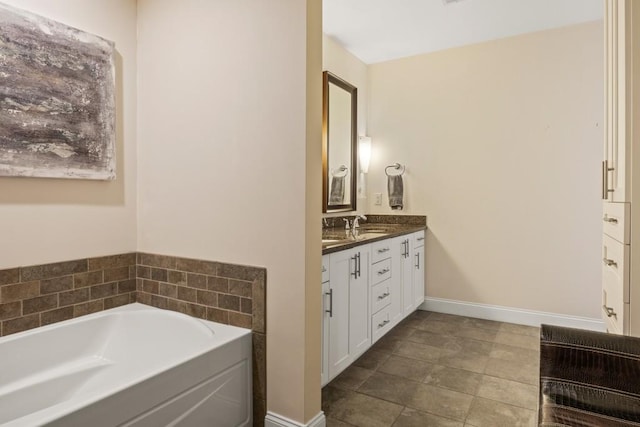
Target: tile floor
436	369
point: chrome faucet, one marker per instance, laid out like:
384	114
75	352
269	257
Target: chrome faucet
355	224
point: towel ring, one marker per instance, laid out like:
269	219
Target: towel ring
396	166
342	168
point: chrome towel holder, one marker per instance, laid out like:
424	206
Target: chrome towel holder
336	172
396	166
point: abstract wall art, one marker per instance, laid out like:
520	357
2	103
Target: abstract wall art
57	99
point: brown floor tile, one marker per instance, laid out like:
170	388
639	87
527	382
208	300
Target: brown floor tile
405	367
400	332
448	370
414	322
468	361
508	352
467	346
489	413
483	324
439	327
386	344
421	314
482	334
440	401
418	351
507	391
365	411
520	329
412	418
352	378
518	340
448	318
371	359
454	379
389	387
519	371
330	396
431	338
331	422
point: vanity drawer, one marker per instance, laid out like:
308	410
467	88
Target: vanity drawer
615	221
380	324
418	239
614	311
380	296
380	271
380	250
615	271
325	268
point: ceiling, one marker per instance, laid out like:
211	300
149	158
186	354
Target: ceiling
380	30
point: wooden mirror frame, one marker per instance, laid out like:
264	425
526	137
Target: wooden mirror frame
328	78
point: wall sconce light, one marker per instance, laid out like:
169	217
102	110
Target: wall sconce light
364	151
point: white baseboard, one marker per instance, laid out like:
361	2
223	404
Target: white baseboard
510	315
275	420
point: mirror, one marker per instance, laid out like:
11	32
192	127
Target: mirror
339	144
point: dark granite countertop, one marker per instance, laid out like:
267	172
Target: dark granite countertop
340	239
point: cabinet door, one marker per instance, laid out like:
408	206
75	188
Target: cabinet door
618	58
326	316
339	354
418	276
406	268
359	314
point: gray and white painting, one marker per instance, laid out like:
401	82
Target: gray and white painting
57	99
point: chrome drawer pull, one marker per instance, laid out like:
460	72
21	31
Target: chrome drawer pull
420	239
383	296
330	311
383	250
610	312
324	269
380	325
610	262
610	220
381	272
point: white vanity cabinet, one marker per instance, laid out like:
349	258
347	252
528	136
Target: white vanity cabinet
347	333
366	291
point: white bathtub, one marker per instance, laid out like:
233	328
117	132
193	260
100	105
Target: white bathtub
134	365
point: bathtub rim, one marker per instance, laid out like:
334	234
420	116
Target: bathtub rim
225	335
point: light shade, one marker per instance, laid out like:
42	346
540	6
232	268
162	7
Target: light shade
364	152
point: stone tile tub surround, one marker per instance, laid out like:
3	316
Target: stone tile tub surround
226	293
41	294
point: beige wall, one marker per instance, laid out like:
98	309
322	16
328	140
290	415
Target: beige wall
502	142
49	220
223	138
